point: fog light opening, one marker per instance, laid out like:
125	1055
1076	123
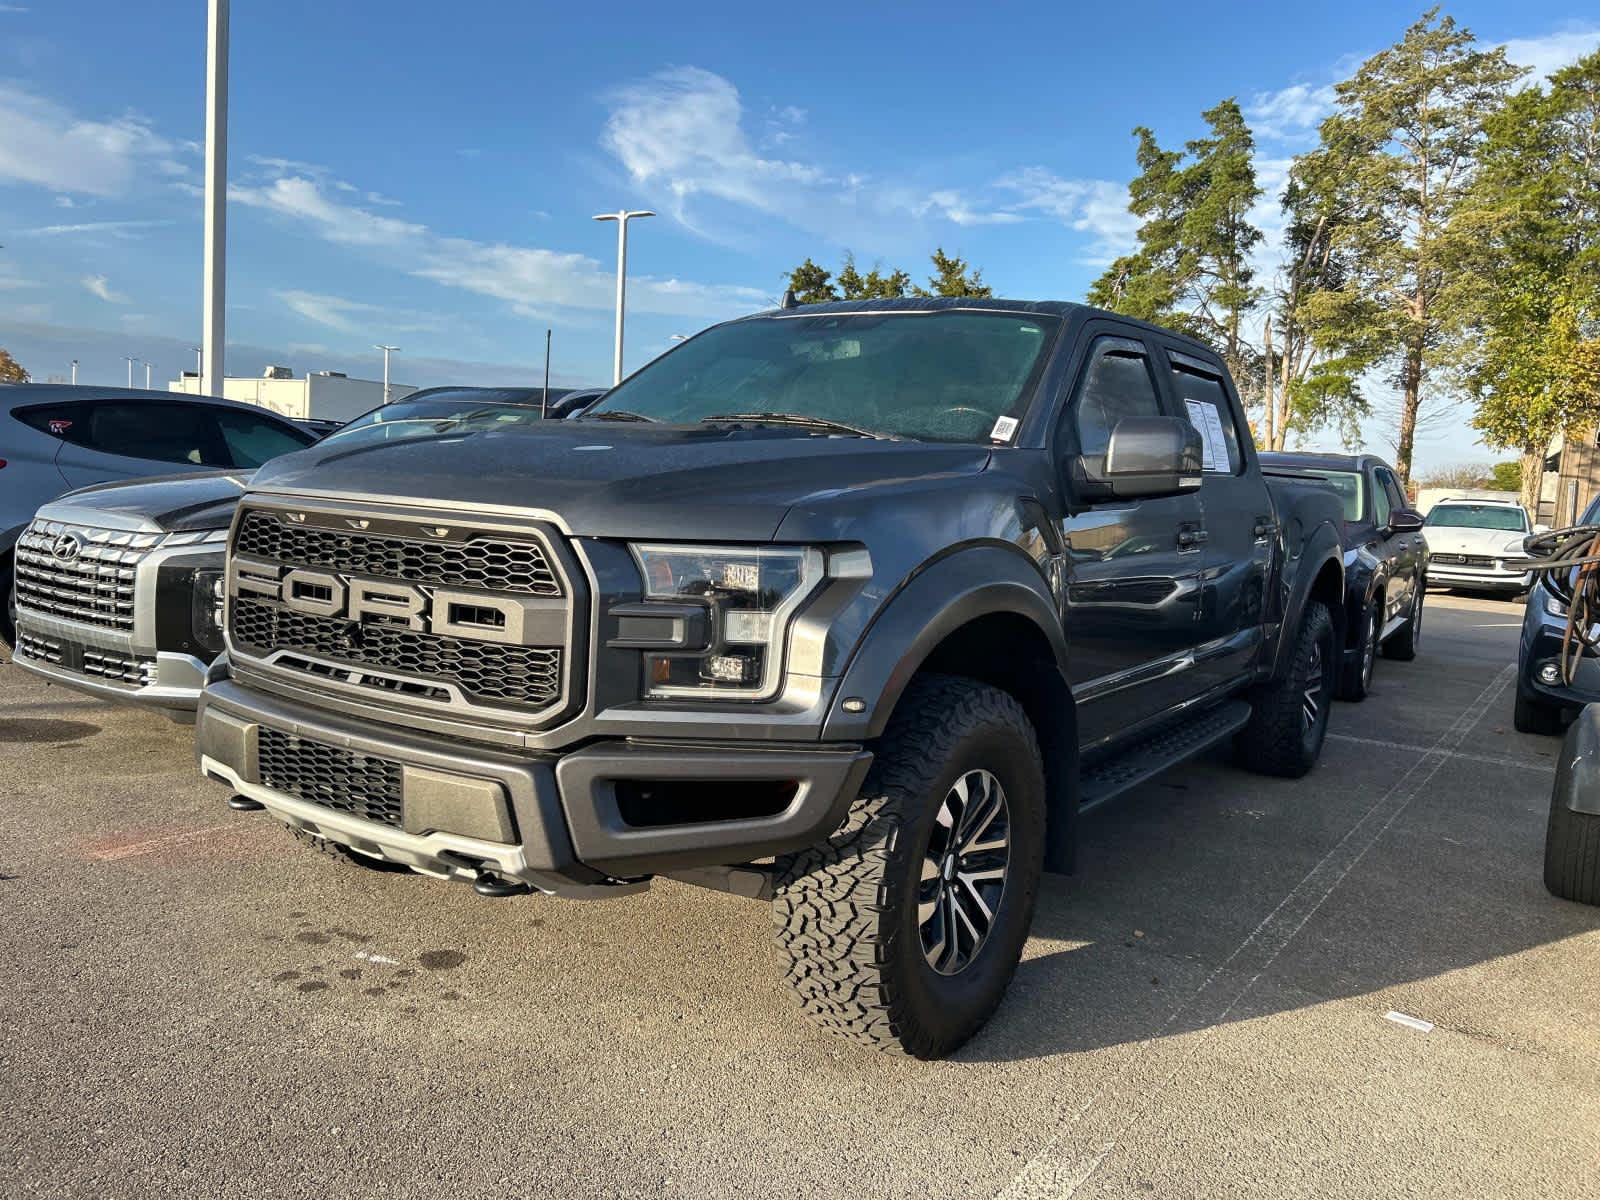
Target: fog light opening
652	803
1550	674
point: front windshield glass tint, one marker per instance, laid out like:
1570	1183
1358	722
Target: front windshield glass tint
1349	486
421	418
1478	516
941	376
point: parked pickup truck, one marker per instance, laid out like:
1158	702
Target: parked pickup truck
855	606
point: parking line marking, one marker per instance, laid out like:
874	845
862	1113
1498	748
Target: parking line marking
1496	760
1055	1171
1410	1022
150	845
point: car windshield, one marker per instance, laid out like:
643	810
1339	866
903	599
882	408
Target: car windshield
1478	516
441	414
939	376
1348	484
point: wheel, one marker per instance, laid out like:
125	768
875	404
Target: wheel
1355	680
1290	721
1534	716
1402	644
1572	853
8	611
323	846
904	928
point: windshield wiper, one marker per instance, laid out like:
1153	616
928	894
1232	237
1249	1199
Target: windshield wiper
781	418
618	414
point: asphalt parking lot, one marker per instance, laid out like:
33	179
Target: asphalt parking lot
192	1005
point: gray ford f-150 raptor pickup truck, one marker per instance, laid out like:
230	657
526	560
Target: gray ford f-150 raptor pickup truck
854	606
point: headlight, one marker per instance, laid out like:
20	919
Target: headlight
1554	607
751	596
1513	549
205	612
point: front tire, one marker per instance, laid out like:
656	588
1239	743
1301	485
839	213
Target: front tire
905	927
1402	645
1572	854
1290	718
1355	682
8	610
1533	716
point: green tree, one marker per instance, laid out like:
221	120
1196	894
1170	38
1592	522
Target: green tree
1531	360
11	371
952	277
812	284
1192	268
1398	155
1507	477
874	285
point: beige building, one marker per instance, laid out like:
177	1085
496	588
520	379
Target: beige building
327	395
1571	480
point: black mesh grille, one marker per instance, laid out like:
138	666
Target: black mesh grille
330	776
487	672
497	564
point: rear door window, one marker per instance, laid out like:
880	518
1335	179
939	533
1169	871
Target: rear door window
175	433
1206	404
64	421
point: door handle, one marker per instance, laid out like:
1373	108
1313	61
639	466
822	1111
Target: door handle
1192	539
1265	527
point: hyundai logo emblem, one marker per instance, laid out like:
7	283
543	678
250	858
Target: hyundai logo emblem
66	546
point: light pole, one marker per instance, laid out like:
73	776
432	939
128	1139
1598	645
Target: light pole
621	217
147	374
213	310
387	350
199	361
74	372
130	360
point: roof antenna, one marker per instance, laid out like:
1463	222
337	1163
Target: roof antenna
788	300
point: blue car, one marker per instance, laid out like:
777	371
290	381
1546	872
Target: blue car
1543	698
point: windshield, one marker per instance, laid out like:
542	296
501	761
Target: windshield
442	414
940	376
1349	486
1478	516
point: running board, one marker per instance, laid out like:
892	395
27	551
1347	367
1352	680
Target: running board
1148	757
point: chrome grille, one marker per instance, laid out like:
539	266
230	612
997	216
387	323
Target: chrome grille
486	672
497	564
134	670
45	650
93	584
331	776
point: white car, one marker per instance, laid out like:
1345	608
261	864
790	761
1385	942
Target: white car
1478	544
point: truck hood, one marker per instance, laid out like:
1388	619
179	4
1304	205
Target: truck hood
617	479
1444	539
163	504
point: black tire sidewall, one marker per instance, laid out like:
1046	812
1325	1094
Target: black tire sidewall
953	1006
1311	739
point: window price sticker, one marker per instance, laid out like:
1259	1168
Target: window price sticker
1004	427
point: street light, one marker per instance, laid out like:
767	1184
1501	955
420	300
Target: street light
146	374
621	217
199	360
74	372
130	359
214	308
387	350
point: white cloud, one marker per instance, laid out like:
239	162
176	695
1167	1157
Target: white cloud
48	146
123	229
952	206
1291	113
1097	207
354	316
99	286
1553	51
303	198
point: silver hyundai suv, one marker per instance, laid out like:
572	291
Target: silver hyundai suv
55	438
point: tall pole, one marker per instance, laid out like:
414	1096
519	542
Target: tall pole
544	399
387	350
74	372
213	335
147	374
130	360
199	361
621	217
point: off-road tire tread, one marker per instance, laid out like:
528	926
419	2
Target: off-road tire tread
1271	743
1572	854
829	897
1533	716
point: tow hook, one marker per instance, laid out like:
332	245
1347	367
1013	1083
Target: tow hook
244	804
496	886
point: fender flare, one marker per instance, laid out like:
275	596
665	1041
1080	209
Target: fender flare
1321	547
954	590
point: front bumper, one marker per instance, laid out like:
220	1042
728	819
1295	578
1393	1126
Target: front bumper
164	680
566	823
1501	576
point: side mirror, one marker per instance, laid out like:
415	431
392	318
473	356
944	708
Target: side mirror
1146	457
1403	520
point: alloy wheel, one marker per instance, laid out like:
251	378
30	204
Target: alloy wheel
1311	697
1369	651
964	872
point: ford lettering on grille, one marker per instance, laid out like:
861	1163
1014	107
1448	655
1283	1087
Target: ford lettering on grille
481	622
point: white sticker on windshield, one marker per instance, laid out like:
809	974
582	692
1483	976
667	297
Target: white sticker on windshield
1004	427
1213	442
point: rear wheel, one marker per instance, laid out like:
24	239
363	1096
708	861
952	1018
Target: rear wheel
1290	718
1355	680
8	611
904	928
1572	853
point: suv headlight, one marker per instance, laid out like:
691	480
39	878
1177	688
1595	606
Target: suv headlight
751	595
1513	549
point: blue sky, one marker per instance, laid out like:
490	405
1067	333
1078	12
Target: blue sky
425	175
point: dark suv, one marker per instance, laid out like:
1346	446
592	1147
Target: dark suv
855	606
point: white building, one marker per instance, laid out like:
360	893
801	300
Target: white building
328	395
